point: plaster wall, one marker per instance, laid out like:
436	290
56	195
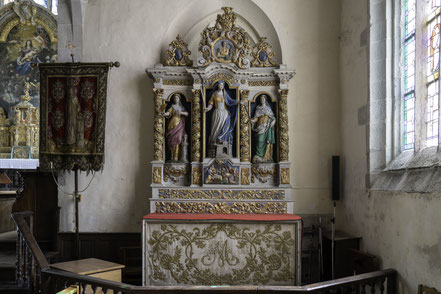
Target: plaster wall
401	229
133	32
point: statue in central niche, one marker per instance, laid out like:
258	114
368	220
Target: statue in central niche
223	121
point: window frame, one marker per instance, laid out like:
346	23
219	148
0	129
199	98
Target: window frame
390	167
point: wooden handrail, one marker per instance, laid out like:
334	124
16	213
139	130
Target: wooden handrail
363	279
20	221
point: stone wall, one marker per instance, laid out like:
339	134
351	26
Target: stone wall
401	229
136	33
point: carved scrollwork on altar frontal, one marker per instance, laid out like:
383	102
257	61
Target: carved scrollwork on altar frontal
262	54
225	42
243	194
178	53
263	173
203	207
216	254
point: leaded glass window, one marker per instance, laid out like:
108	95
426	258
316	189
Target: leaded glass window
409	48
433	54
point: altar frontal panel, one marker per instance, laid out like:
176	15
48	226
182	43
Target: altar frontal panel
221	252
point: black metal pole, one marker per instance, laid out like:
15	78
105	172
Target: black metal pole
77	225
333	242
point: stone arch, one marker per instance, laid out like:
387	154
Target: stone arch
192	20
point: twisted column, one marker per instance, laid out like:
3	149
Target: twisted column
283	126
196	126
158	127
244	127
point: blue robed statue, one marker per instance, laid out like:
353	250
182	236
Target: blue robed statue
224	116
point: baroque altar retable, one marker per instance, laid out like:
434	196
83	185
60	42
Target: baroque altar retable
221	147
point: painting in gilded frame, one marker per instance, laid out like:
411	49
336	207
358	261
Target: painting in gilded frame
25	46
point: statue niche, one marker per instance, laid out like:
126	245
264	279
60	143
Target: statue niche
221	121
177	129
263	126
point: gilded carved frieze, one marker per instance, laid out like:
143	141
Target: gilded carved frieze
177	82
263	83
243	194
221	207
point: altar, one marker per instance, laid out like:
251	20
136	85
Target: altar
221	208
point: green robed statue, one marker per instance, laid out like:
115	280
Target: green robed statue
263	124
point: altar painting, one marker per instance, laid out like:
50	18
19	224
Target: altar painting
24	46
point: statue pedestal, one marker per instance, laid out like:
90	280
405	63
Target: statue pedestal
219	249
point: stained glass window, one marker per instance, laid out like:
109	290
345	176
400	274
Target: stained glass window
409	74
49	4
433	43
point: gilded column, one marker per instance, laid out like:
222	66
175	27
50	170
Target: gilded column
244	127
196	126
283	126
158	127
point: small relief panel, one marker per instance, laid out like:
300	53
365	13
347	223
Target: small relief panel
221	172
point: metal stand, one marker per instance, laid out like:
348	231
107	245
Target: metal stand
77	225
333	240
320	232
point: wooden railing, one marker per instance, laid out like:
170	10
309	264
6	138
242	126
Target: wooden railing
44	279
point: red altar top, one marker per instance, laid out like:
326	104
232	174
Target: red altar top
250	217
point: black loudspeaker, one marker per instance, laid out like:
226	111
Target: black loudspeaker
335	178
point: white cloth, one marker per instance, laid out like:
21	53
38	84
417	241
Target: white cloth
219	118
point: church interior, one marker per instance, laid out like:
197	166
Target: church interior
220	145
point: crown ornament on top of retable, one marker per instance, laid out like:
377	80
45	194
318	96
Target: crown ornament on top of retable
225	42
178	53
